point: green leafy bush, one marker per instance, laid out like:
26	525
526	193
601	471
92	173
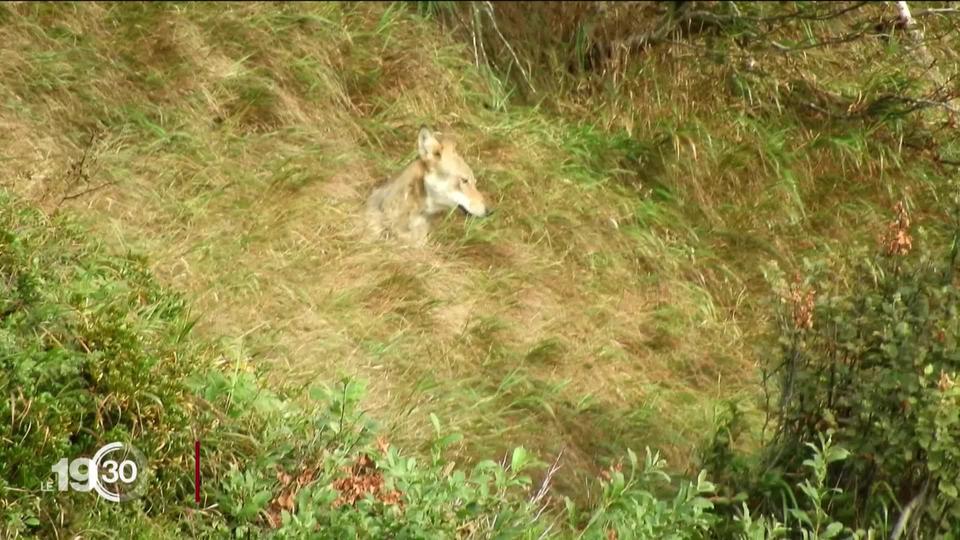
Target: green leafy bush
341	482
91	352
874	361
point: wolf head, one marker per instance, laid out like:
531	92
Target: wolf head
449	181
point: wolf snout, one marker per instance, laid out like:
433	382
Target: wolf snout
486	209
482	212
475	210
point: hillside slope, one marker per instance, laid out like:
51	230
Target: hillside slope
611	302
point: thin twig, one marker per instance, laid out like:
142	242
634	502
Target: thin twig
797	14
87	191
825	43
77	173
493	21
473	34
545	485
903	12
904	518
935	11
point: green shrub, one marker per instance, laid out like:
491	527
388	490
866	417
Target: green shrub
629	509
341	482
873	362
91	352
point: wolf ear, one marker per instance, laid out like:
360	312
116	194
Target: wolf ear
427	144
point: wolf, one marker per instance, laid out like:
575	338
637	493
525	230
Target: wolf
439	180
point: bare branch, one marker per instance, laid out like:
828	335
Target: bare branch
935	11
493	21
903	12
914	503
799	15
825	43
86	191
672	21
545	485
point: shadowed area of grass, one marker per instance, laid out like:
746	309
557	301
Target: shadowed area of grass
611	302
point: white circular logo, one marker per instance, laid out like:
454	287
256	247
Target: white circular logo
118	472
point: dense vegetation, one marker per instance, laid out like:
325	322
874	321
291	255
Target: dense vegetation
680	323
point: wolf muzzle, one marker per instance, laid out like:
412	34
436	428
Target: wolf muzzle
488	211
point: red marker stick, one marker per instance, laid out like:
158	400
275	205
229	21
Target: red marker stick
196	471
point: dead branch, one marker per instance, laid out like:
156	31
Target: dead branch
903	14
801	16
78	172
935	11
493	21
701	20
853	36
86	192
914	503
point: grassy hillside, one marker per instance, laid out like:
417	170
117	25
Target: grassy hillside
612	302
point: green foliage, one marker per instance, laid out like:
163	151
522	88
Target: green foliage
876	367
807	518
91	352
816	523
629	509
416	498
